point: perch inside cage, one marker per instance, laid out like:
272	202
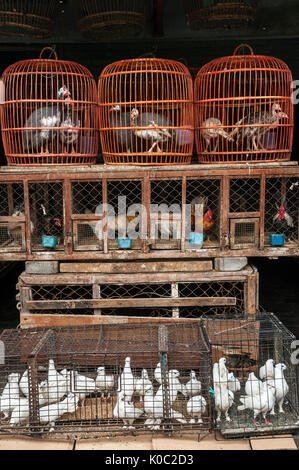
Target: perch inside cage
112	19
27	18
49	112
146	112
219	13
106	378
243	109
254	378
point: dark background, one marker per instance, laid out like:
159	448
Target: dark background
275	33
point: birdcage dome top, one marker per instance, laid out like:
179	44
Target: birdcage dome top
147	65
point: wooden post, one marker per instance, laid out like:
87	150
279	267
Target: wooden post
175	295
96	294
251	293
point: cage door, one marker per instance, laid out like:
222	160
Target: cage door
12	236
244	233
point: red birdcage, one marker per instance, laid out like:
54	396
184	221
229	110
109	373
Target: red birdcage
244	109
146	112
49	113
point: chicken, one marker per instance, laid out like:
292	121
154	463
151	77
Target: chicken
282	217
51	225
204	221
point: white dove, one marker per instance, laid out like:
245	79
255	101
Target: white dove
233	383
20	411
56	384
126	381
267	370
173	376
196	407
23	384
220	372
50	413
140	383
281	386
11	389
261	403
253	385
104	382
224	399
193	386
125	410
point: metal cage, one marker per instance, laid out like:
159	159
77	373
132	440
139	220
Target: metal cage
219	13
254	375
49	113
111	379
146	112
27	18
114	19
243	109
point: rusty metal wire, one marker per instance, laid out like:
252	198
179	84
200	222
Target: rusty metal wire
49	113
246	344
243	109
146	112
62	364
27	18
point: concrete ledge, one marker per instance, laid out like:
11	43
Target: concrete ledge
230	264
27	443
42	267
116	443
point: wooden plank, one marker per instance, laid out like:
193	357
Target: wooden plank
251	294
129	303
138	267
50	320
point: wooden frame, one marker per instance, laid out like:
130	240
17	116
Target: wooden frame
236	243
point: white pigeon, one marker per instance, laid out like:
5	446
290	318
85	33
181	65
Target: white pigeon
23	384
56	384
220	372
104	382
261	403
11	389
20	411
253	385
233	383
281	386
196	407
224	399
126	381
50	413
7	405
173	376
193	386
267	370
125	410
141	383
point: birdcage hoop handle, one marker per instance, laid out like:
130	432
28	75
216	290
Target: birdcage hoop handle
243	45
48	48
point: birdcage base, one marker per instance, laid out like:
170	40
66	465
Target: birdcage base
48	159
154	158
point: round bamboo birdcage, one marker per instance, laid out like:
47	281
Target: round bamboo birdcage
219	13
49	112
243	109
112	19
27	18
146	112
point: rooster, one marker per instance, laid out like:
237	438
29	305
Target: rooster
51	225
206	219
282	217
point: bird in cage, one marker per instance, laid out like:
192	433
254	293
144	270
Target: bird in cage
224	399
252	129
40	129
151	127
261	403
233	383
220	372
205	221
126	381
253	385
193	386
15	230
281	386
120	122
70	129
10	394
213	131
50	413
140	384
50	225
267	371
104	382
125	410
282	217
196	407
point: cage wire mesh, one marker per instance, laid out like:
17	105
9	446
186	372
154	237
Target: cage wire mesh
27	18
106	379
113	19
12	233
243	109
146	112
49	113
255	377
219	13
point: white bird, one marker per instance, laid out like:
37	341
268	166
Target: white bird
173	377
126	381
193	386
125	410
267	370
56	384
196	407
253	385
233	383
141	383
23	384
50	413
11	389
281	386
104	382
20	411
220	372
212	129
224	399
261	403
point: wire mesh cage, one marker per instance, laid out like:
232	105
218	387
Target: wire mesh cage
49	112
27	18
219	13
243	109
254	375
146	112
105	379
114	19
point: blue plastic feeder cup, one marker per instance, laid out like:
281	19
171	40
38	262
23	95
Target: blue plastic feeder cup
124	243
49	241
276	239
196	238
